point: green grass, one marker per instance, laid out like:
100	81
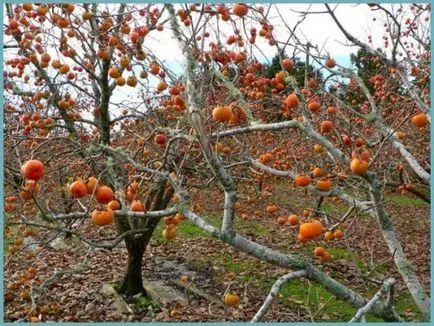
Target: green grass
191	230
407	201
143	302
405	304
301	292
314	297
232	266
309	294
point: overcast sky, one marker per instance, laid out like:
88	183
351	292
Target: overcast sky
319	29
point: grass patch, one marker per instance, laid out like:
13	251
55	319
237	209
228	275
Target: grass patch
406	307
240	225
232	266
341	253
314	297
407	201
191	230
252	266
143	302
308	294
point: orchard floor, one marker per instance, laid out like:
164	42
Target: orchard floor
213	266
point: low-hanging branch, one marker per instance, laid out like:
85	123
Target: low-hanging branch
275	289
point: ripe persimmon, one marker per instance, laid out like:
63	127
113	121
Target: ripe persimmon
318	172
33	170
291	101
222	113
419	120
266	158
13	24
91	184
313	106
293	219
104	194
330	63
231	299
338	234
359	166
124	62
311	230
114	205
302	180
161	86
132	81
104	217
137	206
281	220
287	64
240	9
332	109
155	68
319	251
64	69
271	209
160	139
78	189
324	185
114	72
326	126
328	236
120	81
359	142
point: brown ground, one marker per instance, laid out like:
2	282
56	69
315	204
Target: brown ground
77	297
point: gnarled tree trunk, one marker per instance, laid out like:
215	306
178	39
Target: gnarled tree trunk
158	198
132	282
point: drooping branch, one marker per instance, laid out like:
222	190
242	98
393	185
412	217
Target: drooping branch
404	266
119	213
293	262
376	210
275	289
195	114
385	288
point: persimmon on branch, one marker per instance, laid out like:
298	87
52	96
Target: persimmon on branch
136	161
392	62
227	233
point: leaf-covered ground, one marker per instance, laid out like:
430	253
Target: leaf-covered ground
213	266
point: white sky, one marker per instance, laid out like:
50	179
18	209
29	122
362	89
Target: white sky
319	29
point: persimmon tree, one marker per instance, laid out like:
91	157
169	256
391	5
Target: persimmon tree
99	124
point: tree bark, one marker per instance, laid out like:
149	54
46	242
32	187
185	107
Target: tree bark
132	282
404	266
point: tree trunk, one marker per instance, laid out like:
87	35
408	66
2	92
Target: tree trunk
132	282
404	266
